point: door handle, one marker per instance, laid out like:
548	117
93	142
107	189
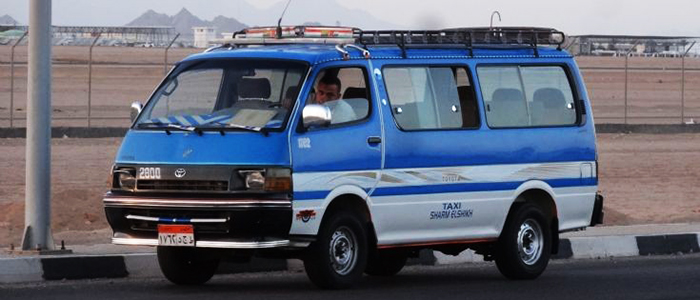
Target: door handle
374	140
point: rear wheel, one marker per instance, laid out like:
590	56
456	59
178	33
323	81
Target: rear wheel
183	266
525	244
338	257
386	262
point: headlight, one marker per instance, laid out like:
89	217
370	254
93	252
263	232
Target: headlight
268	180
254	180
125	179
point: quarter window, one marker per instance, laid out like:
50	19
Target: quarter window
431	97
527	96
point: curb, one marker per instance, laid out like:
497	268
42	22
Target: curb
144	265
104	132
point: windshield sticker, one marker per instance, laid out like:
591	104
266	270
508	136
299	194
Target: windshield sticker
451	210
253	117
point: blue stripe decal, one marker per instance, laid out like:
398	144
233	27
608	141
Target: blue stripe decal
310	195
454	188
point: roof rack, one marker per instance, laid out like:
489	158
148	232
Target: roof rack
479	37
470	38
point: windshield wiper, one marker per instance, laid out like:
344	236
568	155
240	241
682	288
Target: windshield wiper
227	126
168	127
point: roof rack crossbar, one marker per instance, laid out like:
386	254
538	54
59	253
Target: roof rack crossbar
534	44
402	45
470	43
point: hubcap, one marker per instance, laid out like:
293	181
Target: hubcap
343	251
530	242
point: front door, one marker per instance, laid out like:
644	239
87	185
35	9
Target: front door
342	158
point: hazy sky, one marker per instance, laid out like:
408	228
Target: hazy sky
648	17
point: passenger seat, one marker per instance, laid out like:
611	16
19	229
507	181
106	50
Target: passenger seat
507	108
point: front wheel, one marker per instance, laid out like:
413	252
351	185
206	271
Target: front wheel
183	266
525	244
338	257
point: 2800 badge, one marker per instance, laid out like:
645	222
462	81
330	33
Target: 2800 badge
149	173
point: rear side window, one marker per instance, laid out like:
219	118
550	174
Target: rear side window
527	96
431	97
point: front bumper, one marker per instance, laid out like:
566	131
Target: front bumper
217	223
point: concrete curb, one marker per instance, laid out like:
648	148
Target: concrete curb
104	132
144	265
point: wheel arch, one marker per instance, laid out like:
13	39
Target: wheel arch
354	199
542	195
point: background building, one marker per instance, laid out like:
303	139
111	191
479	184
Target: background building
202	36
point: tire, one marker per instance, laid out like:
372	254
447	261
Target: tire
525	244
386	262
182	266
338	257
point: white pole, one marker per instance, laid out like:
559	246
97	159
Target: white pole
37	213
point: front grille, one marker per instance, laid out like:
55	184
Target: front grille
182	185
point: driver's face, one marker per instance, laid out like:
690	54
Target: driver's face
326	92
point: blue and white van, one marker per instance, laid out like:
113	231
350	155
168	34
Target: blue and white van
352	150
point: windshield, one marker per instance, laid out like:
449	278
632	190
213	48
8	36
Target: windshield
226	94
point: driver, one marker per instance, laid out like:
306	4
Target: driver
328	93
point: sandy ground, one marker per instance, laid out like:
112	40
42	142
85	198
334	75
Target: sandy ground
645	179
123	75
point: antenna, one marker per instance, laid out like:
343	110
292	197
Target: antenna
495	12
279	22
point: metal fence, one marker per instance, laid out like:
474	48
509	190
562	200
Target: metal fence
623	88
74	82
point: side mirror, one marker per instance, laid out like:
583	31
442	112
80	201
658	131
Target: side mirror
136	108
316	115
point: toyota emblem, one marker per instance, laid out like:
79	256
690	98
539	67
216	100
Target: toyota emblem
179	173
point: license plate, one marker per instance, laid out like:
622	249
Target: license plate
176	235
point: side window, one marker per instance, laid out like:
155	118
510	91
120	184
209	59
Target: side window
344	91
526	96
431	97
503	96
549	95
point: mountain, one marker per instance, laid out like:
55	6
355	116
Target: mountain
227	24
249	12
151	18
183	22
7	20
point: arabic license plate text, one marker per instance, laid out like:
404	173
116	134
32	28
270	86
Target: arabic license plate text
176	235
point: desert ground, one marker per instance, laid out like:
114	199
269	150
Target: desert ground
645	178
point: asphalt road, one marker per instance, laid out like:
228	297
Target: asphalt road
668	277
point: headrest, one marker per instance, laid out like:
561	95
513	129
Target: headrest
550	98
256	88
291	92
355	93
507	95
